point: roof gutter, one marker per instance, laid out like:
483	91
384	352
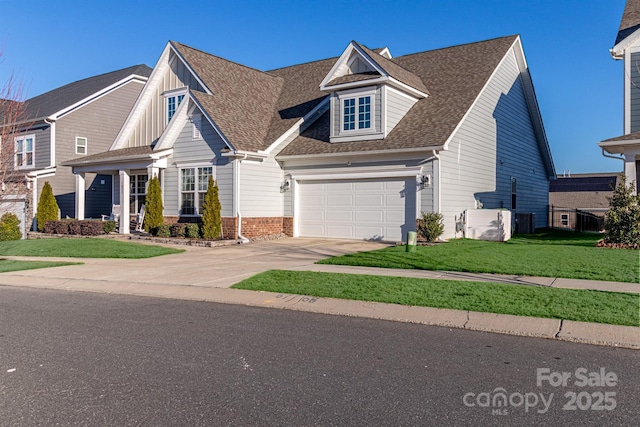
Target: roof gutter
609	156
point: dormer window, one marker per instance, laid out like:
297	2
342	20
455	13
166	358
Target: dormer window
349	113
172	101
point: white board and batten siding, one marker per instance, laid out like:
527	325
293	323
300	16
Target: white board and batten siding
495	142
190	152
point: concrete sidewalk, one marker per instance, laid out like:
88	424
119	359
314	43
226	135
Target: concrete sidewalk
205	274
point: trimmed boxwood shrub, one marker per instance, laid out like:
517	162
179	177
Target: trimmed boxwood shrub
163	230
108	227
57	227
193	231
74	227
10	227
91	228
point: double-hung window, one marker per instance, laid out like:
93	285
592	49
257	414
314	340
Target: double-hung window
24	151
194	183
356	113
172	100
81	145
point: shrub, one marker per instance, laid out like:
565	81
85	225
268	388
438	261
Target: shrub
178	230
430	226
193	231
153	217
47	207
163	230
74	227
622	220
91	228
10	227
211	220
57	227
108	227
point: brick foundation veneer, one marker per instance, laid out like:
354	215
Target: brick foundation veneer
251	227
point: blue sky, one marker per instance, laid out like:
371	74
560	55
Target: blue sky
578	85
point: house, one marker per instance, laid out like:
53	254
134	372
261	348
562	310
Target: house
354	146
627	49
580	200
77	119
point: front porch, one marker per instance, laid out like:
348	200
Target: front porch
627	147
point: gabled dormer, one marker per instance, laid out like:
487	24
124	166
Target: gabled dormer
370	94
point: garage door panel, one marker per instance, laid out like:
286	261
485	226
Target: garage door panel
379	209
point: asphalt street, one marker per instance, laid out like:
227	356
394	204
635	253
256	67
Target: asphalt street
72	358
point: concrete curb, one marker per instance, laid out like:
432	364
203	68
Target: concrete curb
564	330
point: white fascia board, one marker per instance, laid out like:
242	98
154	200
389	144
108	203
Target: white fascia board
480	94
360	155
193	73
617	52
340	66
619	147
143	99
245	155
213	124
324	104
94	97
42	173
357	84
158	160
174	127
405	87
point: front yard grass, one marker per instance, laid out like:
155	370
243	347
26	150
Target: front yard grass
82	248
7	265
520	300
555	254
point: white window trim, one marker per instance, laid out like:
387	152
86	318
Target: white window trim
357	94
187	165
86	145
24	152
174	93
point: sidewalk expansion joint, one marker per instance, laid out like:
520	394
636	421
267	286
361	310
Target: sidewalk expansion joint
553	282
557	335
467	321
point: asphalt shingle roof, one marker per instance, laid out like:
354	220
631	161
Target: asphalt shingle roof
113	155
60	98
630	21
243	100
395	70
455	76
627	137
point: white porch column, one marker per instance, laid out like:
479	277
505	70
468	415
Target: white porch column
80	195
630	168
124	201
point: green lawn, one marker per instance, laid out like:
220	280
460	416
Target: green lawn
82	248
536	301
567	255
7	265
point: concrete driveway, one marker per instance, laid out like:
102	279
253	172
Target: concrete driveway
218	267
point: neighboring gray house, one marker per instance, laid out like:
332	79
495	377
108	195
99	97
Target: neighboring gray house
627	49
349	147
78	119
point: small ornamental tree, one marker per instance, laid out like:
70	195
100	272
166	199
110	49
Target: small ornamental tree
10	227
622	220
430	226
211	220
47	207
153	217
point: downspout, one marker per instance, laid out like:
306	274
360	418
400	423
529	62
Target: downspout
236	197
436	175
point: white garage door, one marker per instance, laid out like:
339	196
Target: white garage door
371	209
